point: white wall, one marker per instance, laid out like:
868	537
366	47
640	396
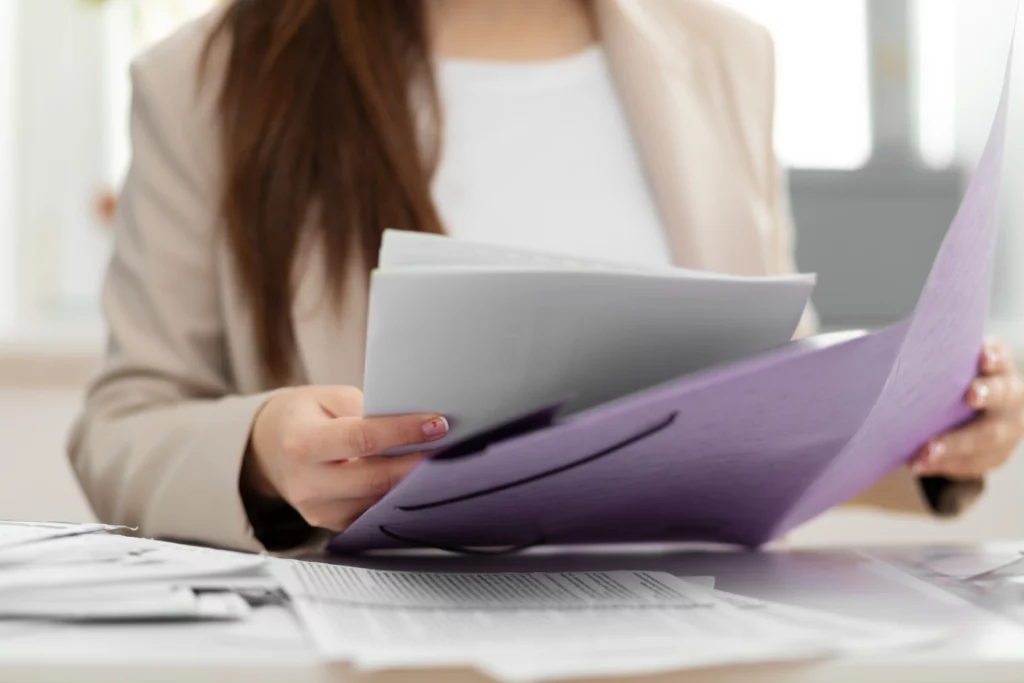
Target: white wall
8	177
36	482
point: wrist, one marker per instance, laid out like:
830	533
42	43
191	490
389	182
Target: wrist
253	477
254	481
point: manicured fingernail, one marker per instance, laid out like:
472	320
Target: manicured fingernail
979	395
992	358
435	427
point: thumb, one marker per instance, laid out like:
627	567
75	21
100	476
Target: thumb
340	401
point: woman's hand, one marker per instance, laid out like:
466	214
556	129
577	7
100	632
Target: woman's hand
311	447
991	437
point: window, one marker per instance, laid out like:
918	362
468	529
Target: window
67	105
822	118
822	50
935	60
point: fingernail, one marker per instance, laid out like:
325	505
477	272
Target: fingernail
992	358
435	427
934	452
979	395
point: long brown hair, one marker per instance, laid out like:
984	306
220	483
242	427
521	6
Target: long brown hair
328	105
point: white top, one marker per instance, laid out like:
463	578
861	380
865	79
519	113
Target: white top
539	155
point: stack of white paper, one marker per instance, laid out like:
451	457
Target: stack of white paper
482	334
521	626
78	572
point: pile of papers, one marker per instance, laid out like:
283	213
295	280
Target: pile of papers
82	573
513	626
989	576
541	626
522	330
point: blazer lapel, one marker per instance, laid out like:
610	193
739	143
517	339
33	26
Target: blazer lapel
672	90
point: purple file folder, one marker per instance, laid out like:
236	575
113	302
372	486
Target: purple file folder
738	454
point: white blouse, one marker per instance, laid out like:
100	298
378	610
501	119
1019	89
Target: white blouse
540	155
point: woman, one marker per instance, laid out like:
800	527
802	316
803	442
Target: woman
257	197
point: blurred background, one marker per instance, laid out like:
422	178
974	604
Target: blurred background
883	107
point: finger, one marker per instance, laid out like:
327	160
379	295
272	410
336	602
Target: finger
995	392
971	467
357	437
339	401
995	358
363	479
970	448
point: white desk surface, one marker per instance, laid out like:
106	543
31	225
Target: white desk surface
270	646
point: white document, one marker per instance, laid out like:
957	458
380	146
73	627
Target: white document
104	559
403	249
556	625
640	660
357	587
485	334
146	602
821	634
847	635
78	573
20	534
386	618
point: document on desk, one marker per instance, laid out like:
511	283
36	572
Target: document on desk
132	603
97	560
17	534
545	625
357	587
79	573
837	635
519	331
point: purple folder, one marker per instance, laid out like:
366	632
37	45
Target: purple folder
738	454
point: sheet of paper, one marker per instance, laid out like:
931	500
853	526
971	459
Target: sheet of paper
958	562
406	617
148	602
738	454
990	576
105	559
509	340
848	635
20	534
538	626
402	249
707	582
845	636
634	661
357	587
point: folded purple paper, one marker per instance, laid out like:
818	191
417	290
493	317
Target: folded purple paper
738	454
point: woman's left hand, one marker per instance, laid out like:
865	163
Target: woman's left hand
987	441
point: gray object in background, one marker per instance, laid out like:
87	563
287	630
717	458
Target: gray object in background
871	236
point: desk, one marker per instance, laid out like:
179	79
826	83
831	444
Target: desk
271	647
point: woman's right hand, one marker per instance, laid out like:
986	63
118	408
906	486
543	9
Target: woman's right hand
311	447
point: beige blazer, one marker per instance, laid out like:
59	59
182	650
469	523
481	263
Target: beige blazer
167	420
